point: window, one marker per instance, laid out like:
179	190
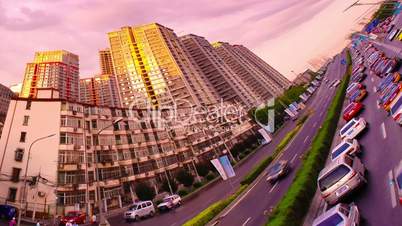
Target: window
15	177
19	154
12	194
23	137
26	119
94	124
28	105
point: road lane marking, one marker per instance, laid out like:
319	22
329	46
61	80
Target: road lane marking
384	132
315	124
293	159
273	187
321	113
378	104
375	89
245	222
372	79
305	139
392	189
241	198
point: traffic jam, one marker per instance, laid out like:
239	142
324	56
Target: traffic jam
345	174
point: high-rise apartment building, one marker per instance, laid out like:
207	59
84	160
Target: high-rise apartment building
223	79
258	78
5	96
151	65
101	90
101	149
57	69
105	62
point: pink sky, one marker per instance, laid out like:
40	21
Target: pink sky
288	34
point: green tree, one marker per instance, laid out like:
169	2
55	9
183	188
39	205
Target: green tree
184	177
203	168
144	191
165	185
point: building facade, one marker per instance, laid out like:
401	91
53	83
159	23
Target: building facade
222	78
101	90
57	69
99	147
5	96
250	70
151	66
105	62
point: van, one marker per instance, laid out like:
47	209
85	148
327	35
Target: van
140	210
395	109
340	178
341	214
350	147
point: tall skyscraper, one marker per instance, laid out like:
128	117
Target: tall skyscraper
100	90
105	62
261	81
151	65
57	69
223	79
5	96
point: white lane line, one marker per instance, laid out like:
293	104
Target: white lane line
245	222
384	132
315	124
321	113
305	139
273	187
392	189
372	79
375	89
245	194
293	159
378	104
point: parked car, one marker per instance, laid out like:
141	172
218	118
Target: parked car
358	95
395	109
277	171
353	128
353	87
7	212
397	179
169	203
341	214
350	147
393	93
140	210
352	110
74	216
340	178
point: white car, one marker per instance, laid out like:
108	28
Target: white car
353	128
170	202
341	214
140	210
396	109
350	147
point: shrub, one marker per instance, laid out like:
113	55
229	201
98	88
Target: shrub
197	184
144	191
165	185
184	177
210	176
182	192
203	168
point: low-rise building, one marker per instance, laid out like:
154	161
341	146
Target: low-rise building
79	152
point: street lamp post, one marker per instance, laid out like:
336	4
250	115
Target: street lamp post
26	173
102	220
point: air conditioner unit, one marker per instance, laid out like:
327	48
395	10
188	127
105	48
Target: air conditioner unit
75	129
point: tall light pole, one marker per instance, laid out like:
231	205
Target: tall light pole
26	173
100	203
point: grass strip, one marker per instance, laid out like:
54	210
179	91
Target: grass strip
295	204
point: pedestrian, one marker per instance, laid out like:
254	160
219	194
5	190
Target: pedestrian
69	223
75	224
12	222
37	223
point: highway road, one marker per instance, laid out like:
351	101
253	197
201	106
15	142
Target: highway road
251	208
218	191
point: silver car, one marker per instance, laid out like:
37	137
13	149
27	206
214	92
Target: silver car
340	178
341	214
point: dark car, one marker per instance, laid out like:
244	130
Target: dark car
73	216
7	212
277	171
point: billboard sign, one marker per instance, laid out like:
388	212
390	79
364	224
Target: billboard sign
224	167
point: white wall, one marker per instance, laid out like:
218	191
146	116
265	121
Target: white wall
44	119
